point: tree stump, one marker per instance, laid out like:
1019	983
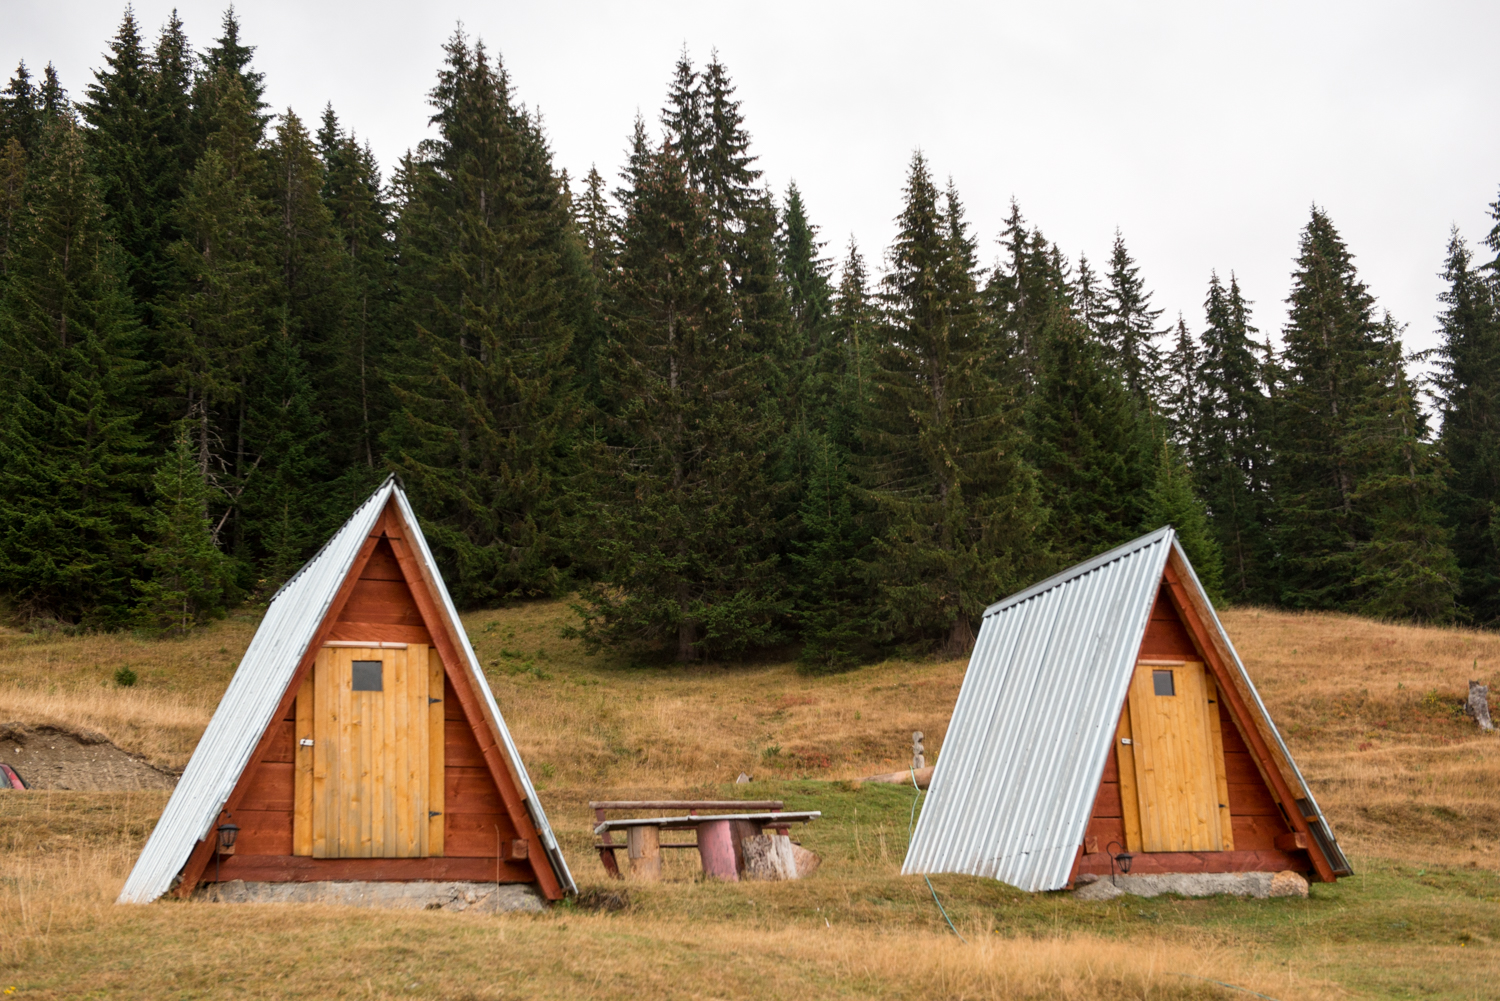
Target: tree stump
643	843
1478	705
769	857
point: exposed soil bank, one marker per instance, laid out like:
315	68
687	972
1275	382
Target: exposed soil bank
49	757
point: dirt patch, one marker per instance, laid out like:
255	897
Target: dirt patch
49	757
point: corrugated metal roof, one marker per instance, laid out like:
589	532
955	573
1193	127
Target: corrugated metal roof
256	690
1030	734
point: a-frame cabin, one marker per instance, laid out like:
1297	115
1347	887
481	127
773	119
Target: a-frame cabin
1106	712
357	741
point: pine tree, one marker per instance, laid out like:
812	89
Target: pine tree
805	272
1354	486
1228	445
356	407
1089	442
12	196
1130	328
225	73
488	405
191	580
1468	385
1172	499
71	468
214	322
1021	294
831	595
956	506
1182	392
20	111
686	526
123	139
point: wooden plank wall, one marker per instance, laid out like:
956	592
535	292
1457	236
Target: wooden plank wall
1255	818
474	817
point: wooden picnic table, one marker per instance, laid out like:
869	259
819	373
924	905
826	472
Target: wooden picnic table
717	836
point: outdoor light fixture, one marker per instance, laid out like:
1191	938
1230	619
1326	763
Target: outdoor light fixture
227	833
1122	858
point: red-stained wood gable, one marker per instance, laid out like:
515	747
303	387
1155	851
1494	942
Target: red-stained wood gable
1257	820
479	833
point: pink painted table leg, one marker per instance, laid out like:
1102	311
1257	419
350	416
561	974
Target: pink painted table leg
716	846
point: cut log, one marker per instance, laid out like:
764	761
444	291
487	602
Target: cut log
1478	706
770	857
716	848
903	778
644	845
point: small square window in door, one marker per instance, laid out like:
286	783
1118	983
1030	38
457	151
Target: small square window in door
1163	683
367	676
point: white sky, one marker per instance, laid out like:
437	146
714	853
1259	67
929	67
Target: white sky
1204	131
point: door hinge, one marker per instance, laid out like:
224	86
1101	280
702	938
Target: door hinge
434	813
431	700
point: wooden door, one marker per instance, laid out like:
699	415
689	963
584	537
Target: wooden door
1176	762
369	754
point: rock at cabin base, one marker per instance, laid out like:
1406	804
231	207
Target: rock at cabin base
1288	884
1196	884
807	862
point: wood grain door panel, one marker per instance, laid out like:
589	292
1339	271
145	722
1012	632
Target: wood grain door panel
1176	775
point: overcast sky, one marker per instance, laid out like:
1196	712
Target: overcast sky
1203	131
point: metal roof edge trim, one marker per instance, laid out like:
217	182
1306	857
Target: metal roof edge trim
1265	713
1079	569
497	719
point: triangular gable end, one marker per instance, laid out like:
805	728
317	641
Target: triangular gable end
388	596
1263	832
1029	755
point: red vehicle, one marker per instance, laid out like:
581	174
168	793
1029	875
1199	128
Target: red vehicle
9	779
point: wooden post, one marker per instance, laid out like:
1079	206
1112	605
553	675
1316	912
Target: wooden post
643	842
716	848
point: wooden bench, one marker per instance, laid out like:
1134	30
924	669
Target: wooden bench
717	836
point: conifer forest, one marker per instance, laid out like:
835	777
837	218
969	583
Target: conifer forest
659	389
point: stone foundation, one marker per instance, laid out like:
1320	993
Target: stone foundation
1194	884
484	898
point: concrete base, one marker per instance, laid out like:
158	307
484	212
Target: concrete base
484	898
1194	884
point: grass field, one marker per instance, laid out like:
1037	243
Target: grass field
1371	711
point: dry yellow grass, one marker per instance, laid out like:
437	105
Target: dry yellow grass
1368	708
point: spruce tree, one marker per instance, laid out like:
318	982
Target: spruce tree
1130	326
12	191
1090	443
1468	386
956	507
1228	445
71	469
123	138
488	405
1354	483
214	322
191	580
357	407
21	110
1182	392
1020	295
685	526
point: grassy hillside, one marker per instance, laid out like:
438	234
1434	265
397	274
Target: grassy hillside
1370	710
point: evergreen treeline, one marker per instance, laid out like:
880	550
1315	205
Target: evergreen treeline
221	326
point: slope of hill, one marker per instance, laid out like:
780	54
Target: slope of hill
1371	711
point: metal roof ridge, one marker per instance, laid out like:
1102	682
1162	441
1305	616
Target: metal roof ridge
1087	566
